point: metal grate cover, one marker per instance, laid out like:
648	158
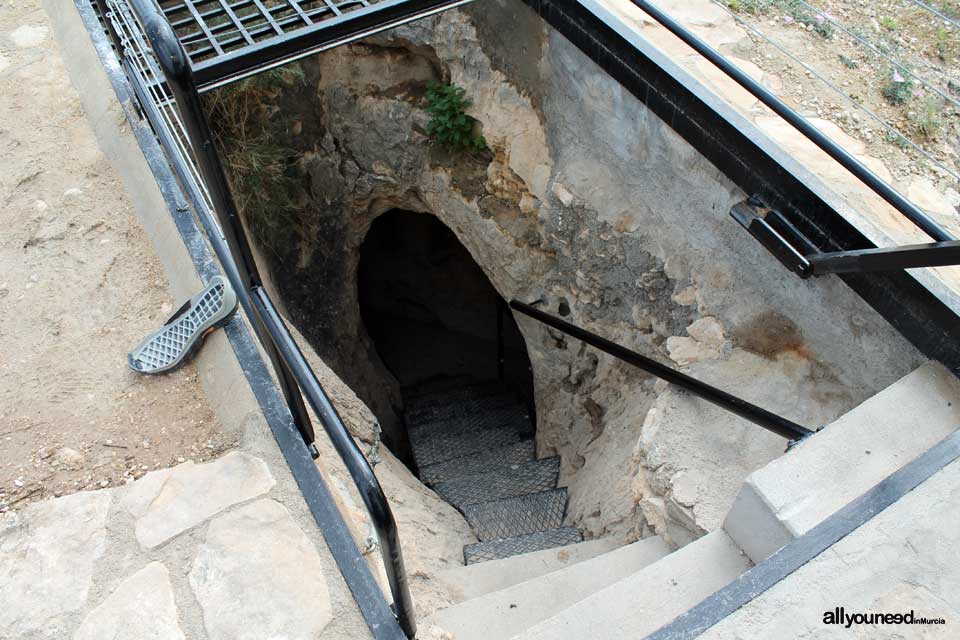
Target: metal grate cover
211	28
517	516
168	347
448	446
517	480
478	463
507	547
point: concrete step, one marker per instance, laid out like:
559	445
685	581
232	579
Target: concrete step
447	446
822	474
481	462
506	482
520	545
479	578
509	611
641	603
512	517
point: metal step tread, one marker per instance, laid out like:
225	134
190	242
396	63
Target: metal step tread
446	446
508	482
517	545
446	411
513	416
478	463
416	400
517	516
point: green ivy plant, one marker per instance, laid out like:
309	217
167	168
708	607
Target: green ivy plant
450	125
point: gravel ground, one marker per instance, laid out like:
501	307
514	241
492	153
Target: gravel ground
79	287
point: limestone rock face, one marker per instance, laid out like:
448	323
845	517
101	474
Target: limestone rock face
692	457
590	205
140	607
170	501
46	572
250	552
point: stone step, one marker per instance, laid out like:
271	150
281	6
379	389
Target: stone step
451	410
827	471
493	550
512	610
482	462
446	446
644	601
508	414
516	480
517	516
499	572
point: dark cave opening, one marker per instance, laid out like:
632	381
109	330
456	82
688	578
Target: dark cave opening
435	319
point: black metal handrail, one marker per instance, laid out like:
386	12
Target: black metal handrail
757	415
230	244
911	211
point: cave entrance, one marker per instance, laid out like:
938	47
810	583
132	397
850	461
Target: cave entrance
435	319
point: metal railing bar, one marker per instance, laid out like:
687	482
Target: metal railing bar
838	153
911	256
233	250
738	406
886	125
167	116
826	16
363	477
935	12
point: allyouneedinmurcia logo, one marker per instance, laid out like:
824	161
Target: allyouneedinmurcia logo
840	616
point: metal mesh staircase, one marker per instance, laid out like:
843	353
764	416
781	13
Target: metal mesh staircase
473	445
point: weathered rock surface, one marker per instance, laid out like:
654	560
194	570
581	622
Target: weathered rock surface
692	457
140	607
166	503
257	576
589	204
48	553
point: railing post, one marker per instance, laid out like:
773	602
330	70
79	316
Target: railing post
238	262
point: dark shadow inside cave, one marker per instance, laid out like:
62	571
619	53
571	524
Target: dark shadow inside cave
431	311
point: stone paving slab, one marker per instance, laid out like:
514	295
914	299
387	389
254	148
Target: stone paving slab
140	607
170	501
47	557
257	576
89	566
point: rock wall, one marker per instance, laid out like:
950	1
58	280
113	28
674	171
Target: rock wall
591	206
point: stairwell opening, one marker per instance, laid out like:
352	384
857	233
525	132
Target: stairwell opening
436	321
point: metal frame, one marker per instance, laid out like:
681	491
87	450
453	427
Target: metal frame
228	40
843	157
160	71
797	253
941	253
738	406
171	64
